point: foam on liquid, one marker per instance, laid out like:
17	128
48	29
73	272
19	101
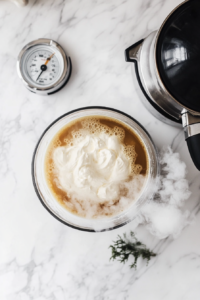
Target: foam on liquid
92	170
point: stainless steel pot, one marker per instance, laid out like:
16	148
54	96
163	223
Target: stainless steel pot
166	65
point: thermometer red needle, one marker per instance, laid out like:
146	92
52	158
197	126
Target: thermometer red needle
44	67
49	58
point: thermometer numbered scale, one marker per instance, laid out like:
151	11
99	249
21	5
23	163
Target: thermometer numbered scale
44	67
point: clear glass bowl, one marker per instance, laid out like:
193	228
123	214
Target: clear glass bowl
52	205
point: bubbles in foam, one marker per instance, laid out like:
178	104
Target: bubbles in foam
51	168
136	169
66	141
93	126
119	132
57	143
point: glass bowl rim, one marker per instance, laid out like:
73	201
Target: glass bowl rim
38	143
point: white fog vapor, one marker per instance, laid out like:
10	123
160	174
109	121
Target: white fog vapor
163	215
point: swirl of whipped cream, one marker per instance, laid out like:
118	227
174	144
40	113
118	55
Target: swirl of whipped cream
92	167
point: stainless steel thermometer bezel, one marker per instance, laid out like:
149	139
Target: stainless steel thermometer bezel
63	79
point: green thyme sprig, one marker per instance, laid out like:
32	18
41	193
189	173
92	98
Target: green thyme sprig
123	248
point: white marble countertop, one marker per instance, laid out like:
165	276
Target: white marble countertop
40	258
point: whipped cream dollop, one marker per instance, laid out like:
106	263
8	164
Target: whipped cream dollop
92	167
95	170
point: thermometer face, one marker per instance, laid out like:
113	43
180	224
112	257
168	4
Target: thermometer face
35	62
44	66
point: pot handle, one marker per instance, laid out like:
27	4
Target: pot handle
192	135
131	53
193	143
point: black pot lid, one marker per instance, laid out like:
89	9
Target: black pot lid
178	55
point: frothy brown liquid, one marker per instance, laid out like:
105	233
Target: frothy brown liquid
133	149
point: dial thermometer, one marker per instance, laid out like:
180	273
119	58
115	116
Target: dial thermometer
44	67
